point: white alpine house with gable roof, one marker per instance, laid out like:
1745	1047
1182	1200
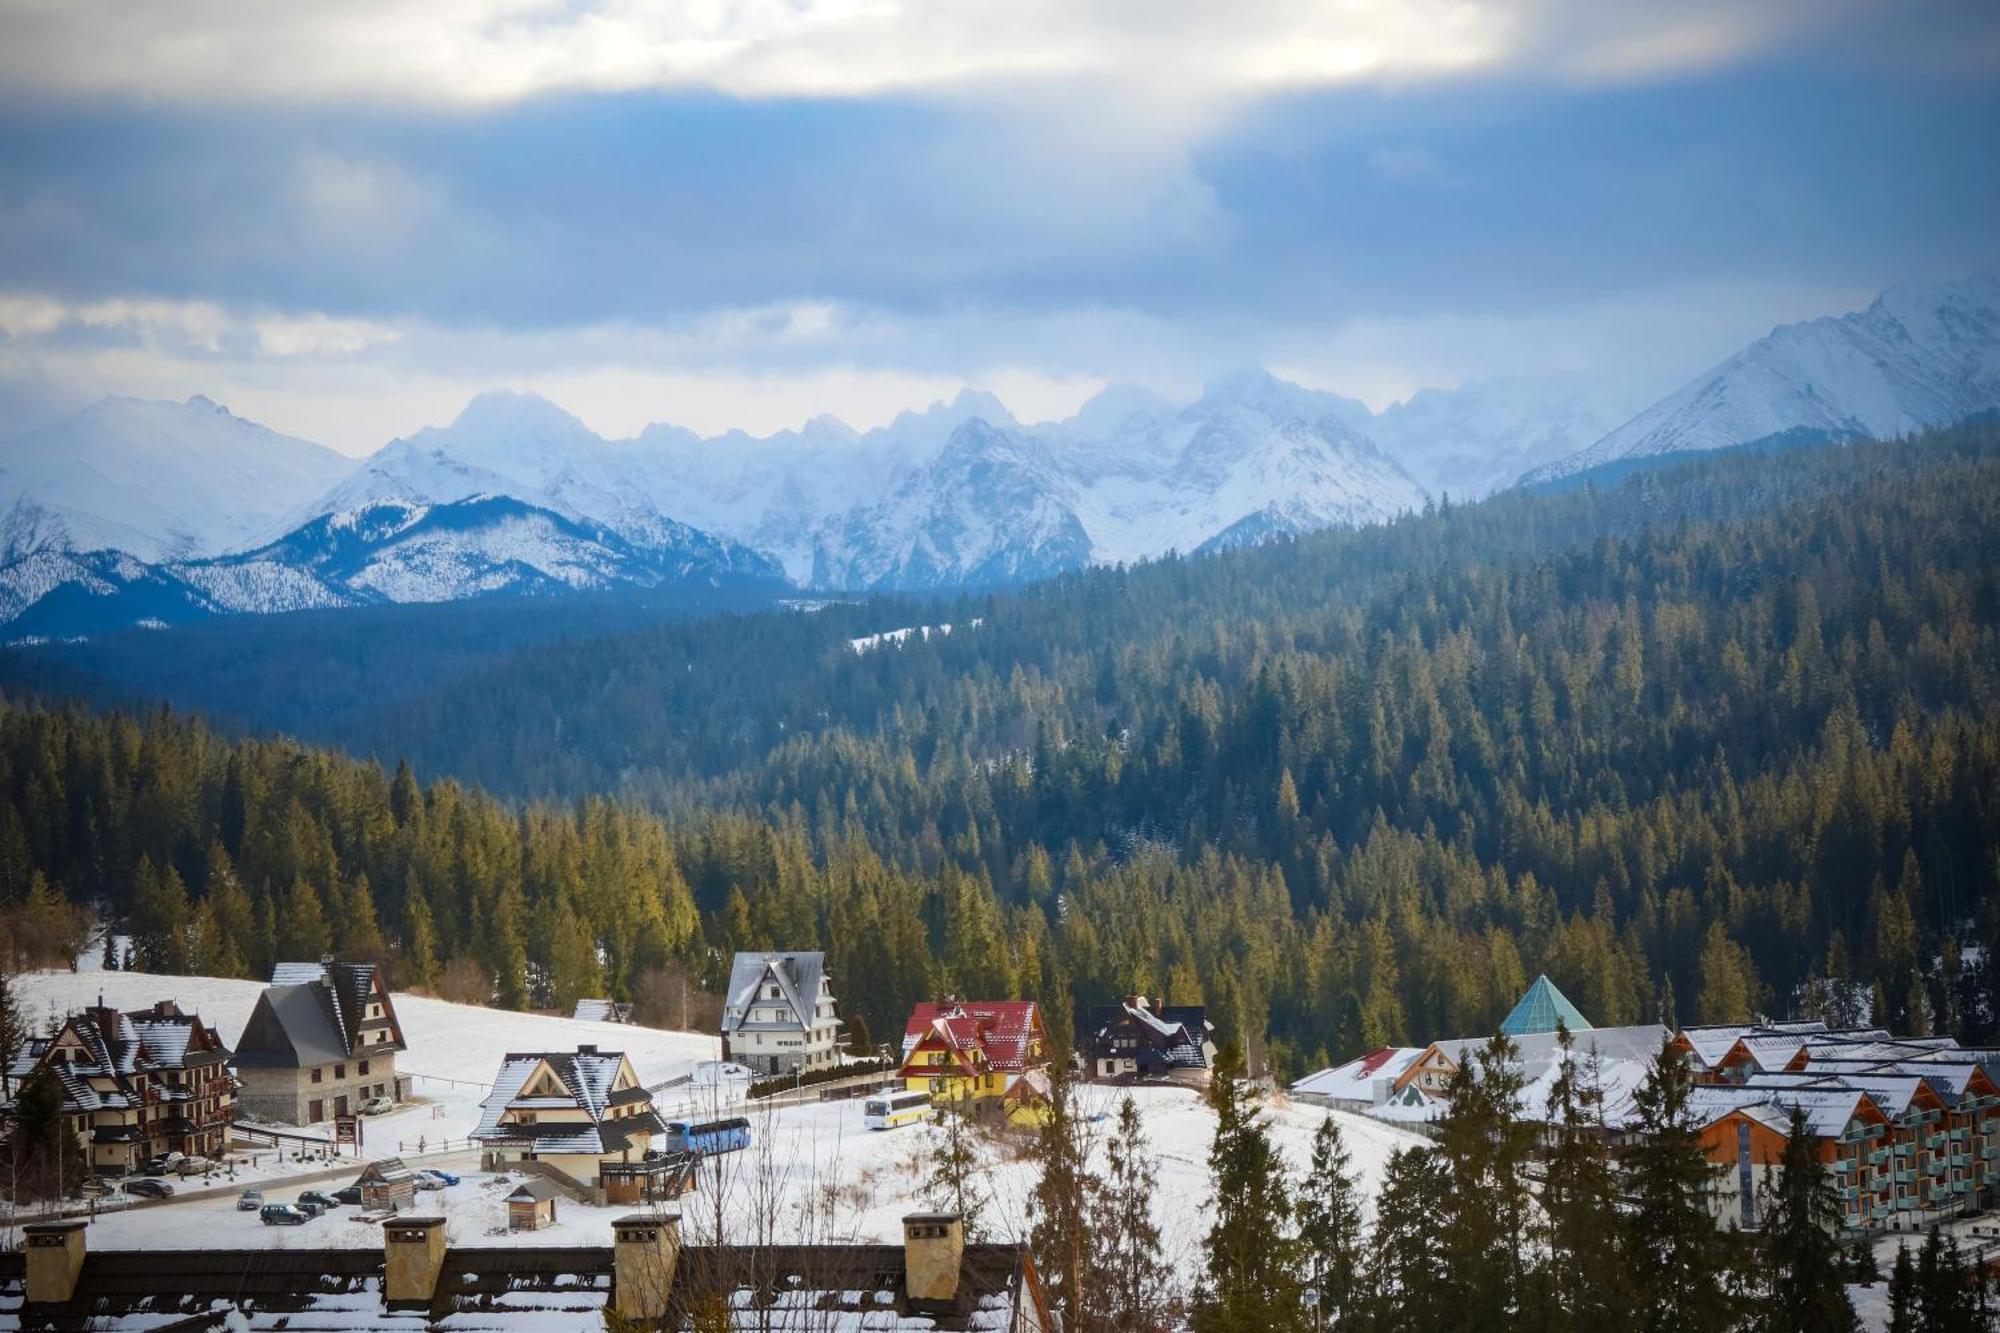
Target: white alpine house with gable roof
779	1014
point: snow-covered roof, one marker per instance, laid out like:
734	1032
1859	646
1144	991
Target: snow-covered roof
1001	1032
798	976
1355	1081
585	1079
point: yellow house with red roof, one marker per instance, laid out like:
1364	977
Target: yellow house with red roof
979	1051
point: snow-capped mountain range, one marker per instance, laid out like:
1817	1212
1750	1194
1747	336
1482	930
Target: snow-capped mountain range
143	512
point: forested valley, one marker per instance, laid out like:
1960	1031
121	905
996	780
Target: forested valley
1686	744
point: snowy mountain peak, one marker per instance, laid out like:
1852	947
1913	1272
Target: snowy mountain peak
1920	355
1258	390
156	478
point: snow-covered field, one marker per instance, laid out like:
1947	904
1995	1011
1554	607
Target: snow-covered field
814	1169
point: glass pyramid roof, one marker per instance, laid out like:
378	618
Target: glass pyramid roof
1540	1009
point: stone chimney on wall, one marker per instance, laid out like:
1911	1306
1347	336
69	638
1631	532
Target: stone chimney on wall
645	1248
413	1257
933	1253
55	1252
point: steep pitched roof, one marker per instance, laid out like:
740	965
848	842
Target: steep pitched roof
1001	1032
1541	1009
586	1078
292	1027
798	977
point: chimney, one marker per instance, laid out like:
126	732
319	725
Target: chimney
933	1252
413	1257
644	1250
587	1050
55	1260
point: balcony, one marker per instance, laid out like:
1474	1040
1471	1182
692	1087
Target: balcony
1878	1156
1934	1141
1961	1159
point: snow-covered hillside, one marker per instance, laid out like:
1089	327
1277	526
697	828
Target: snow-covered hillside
454	1049
155	479
1921	355
805	1154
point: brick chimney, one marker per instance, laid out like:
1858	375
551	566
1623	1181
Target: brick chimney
933	1253
644	1250
413	1257
55	1253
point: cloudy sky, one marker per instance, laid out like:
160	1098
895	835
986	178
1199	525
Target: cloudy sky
344	218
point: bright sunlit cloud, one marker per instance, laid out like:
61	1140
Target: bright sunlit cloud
481	52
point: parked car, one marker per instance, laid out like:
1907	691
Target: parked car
308	1207
282	1215
318	1200
442	1177
349	1194
192	1166
148	1188
377	1106
424	1180
249	1201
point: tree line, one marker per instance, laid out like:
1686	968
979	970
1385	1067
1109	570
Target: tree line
1496	1224
1719	740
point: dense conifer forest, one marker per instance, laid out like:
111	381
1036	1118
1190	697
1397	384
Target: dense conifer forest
1687	743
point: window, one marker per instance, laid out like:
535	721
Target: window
315	1110
363	1066
317	1075
340	1071
524	1117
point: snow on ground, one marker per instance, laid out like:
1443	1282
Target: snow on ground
454	1052
814	1168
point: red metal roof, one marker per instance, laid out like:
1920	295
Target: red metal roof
1002	1031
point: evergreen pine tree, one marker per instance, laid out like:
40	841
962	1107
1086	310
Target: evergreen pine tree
1482	1217
1680	1262
860	1042
421	941
1585	1286
1135	1292
1329	1211
1903	1293
956	1183
1252	1283
303	936
1406	1261
1801	1256
110	960
1062	1203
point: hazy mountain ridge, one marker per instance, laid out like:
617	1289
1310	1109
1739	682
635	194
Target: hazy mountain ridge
1919	356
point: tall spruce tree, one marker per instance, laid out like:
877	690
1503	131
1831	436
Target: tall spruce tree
1135	1283
1585	1285
1802	1259
1681	1264
1946	1301
1329	1211
1404	1288
1252	1282
1903	1293
1062	1204
1482	1217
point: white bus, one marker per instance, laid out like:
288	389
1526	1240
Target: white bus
898	1108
